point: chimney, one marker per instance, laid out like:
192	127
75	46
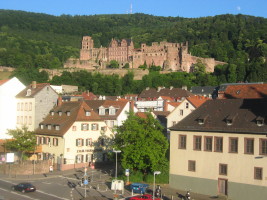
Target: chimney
34	84
59	101
171	87
165	108
159	88
184	87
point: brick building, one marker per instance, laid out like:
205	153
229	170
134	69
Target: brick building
170	56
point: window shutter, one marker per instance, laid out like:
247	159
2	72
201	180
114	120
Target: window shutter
82	159
82	142
76	142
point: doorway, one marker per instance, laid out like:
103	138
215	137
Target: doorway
222	186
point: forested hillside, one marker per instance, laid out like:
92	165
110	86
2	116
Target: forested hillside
33	40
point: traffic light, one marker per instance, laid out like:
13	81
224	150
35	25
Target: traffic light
89	179
82	181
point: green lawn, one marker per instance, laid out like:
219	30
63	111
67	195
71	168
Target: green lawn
4	75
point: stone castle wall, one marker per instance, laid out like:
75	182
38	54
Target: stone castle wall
170	56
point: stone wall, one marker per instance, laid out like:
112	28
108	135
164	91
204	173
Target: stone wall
25	168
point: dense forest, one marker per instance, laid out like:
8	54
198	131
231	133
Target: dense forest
30	41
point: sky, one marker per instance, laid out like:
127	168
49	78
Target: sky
173	8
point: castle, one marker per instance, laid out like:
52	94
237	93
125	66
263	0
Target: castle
170	56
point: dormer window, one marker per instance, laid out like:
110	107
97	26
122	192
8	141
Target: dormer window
229	122
112	111
29	92
101	111
57	127
49	126
202	119
68	113
41	126
52	113
260	121
59	113
87	113
230	119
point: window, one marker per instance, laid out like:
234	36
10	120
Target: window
94	127
68	113
26	106
49	126
101	111
18	106
218	144
52	113
192	165
60	113
249	146
233	145
79	158
89	142
186	105
182	142
208	143
223	169
173	123
41	126
112	123
74	128
112	111
181	112
85	127
30	120
21	107
258	173
263	146
25	119
57	127
55	142
87	113
79	142
29	91
197	143
18	119
30	106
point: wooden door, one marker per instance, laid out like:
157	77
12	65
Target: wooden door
222	186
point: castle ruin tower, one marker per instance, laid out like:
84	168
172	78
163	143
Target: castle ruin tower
87	48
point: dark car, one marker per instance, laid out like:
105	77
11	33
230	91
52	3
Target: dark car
24	187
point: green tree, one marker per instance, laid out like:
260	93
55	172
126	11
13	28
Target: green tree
113	64
143	144
23	141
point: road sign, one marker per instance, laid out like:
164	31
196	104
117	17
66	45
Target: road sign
85	182
127	172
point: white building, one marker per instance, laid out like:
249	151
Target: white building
8	91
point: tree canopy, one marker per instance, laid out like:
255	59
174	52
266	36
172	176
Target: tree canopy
23	141
143	144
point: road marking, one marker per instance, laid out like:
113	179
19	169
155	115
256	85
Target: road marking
17	194
51	195
35	191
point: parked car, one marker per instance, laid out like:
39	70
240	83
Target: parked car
144	196
24	187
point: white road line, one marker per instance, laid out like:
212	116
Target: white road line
51	195
17	194
35	191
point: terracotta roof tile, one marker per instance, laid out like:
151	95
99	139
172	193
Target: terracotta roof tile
174	93
245	91
3	81
197	100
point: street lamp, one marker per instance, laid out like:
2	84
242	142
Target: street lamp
155	173
116	151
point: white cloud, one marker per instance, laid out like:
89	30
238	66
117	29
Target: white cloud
238	8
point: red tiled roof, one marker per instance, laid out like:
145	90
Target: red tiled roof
3	81
246	91
197	100
141	115
77	110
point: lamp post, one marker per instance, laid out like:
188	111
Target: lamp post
155	173
116	151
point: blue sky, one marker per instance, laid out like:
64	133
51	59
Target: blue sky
174	8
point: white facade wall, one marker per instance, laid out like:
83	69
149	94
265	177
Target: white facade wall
240	166
144	106
8	105
25	113
179	113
